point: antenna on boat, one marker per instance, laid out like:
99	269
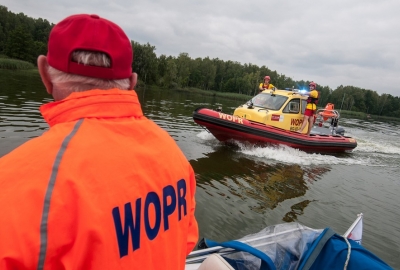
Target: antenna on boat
294	90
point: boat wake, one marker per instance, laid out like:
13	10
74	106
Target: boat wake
371	145
371	151
205	135
290	155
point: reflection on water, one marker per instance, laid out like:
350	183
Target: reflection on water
242	189
297	209
266	184
233	188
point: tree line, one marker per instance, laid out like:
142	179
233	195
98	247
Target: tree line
24	38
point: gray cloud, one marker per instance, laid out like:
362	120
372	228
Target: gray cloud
331	42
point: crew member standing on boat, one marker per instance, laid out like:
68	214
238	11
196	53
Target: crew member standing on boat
104	187
265	84
311	108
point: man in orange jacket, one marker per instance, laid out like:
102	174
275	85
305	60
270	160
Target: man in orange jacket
104	187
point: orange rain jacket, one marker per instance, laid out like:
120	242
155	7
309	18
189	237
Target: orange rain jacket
103	188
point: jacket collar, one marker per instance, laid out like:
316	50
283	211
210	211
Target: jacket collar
113	103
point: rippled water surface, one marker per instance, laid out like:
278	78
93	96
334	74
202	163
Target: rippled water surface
241	189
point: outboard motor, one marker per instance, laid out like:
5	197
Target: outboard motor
335	128
339	131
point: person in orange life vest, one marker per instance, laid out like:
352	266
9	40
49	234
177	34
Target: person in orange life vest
265	84
311	108
104	187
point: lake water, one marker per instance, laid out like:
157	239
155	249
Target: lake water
242	189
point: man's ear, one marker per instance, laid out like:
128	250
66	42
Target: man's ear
43	66
133	81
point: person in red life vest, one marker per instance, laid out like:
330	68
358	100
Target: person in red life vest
265	84
311	108
104	187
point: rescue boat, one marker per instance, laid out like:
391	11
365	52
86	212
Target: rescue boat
273	117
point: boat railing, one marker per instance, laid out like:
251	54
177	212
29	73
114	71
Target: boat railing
326	115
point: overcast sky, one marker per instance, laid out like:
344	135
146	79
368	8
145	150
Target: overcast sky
332	42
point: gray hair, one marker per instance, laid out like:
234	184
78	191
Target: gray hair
66	83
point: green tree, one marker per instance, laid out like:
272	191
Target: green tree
220	74
171	75
145	62
371	101
4	27
41	30
250	83
19	44
162	68
325	95
2	38
208	72
24	38
234	74
38	48
183	66
195	76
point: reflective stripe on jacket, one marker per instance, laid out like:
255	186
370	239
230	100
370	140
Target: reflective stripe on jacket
103	188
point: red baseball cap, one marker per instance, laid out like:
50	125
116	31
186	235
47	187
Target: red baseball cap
90	33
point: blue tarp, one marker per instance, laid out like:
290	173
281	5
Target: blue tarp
309	250
330	251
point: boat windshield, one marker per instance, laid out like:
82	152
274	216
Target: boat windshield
268	101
